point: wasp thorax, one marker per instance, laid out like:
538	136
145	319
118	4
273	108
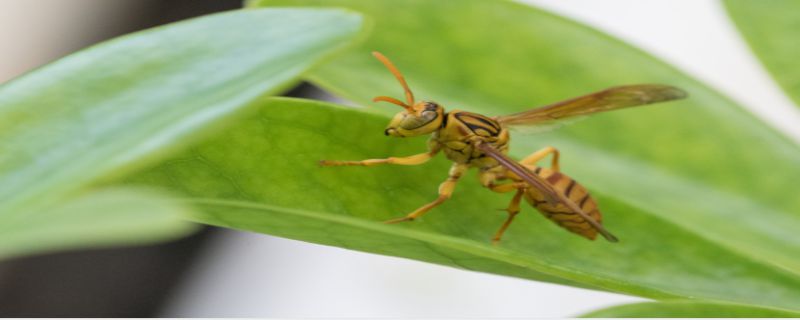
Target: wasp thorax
422	118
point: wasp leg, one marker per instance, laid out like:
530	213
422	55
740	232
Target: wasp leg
416	159
445	190
408	161
539	155
489	178
507	187
513	210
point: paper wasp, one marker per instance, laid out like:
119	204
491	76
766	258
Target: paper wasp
474	140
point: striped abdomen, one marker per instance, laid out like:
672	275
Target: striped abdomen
561	214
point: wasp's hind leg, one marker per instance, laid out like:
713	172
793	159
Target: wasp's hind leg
445	190
539	155
513	210
489	180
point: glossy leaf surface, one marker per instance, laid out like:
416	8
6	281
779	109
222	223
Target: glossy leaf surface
97	114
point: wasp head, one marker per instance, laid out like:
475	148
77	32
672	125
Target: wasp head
423	117
418	118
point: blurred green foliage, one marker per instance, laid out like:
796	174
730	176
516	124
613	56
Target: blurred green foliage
771	27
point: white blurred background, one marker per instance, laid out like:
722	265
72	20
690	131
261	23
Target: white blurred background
245	274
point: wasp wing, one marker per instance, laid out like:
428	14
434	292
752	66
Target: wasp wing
606	100
551	194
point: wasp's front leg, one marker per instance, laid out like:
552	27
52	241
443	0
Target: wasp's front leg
407	161
445	191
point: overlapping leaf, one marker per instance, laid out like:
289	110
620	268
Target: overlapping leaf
102	111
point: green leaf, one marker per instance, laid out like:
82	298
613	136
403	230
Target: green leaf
688	309
263	176
772	29
703	166
97	219
106	110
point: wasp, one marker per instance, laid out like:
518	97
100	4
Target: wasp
473	140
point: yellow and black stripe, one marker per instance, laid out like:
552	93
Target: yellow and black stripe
560	213
479	124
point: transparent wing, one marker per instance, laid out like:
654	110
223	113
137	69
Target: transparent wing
551	194
543	126
606	100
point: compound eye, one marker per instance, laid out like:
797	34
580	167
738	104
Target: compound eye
428	116
413	122
431	106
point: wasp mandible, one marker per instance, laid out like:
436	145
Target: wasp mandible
472	140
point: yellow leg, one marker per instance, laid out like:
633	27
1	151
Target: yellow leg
489	180
507	187
513	210
409	161
539	155
445	190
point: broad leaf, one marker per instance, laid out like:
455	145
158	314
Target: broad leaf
263	176
704	169
772	29
688	309
118	105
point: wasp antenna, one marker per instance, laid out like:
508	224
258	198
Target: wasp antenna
393	101
383	59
